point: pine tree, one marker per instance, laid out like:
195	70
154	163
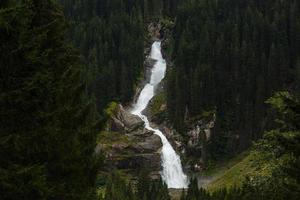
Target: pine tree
46	153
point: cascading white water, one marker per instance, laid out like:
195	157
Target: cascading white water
172	173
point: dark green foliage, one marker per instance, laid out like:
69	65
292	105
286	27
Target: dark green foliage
281	148
170	7
232	55
193	190
110	36
47	119
117	189
194	193
277	160
287	109
144	189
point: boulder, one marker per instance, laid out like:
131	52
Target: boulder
150	144
138	161
126	144
124	121
136	152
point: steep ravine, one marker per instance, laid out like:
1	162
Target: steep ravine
129	147
126	145
192	146
172	173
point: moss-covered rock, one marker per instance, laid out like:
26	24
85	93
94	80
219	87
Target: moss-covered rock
156	110
111	109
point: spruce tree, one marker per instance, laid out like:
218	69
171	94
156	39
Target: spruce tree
48	123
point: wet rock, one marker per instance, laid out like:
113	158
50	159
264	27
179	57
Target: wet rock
126	144
130	145
134	153
125	121
151	144
151	161
98	149
155	30
148	64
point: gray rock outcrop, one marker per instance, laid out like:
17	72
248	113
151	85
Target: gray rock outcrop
128	145
125	121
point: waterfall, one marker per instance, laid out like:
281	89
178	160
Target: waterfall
172	173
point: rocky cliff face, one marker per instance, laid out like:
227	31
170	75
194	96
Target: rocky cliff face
198	136
126	144
192	144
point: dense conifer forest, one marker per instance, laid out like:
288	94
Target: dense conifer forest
230	57
65	65
109	35
48	120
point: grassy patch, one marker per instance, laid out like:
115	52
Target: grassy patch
111	108
108	139
157	102
221	167
234	174
208	115
101	192
167	23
